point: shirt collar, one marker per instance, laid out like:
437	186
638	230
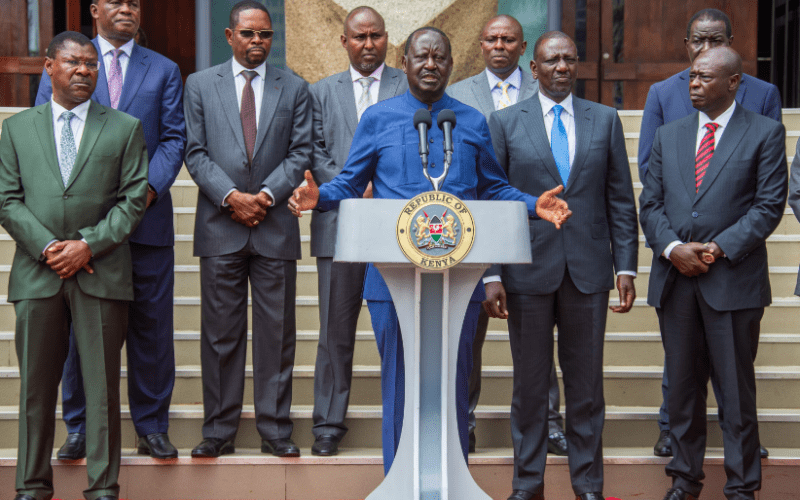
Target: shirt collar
439	105
515	79
238	68
355	75
106	47
81	110
547	104
722	120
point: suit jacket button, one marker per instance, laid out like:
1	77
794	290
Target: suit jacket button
695	215
431	141
66	196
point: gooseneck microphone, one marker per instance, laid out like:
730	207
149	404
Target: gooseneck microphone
422	122
447	122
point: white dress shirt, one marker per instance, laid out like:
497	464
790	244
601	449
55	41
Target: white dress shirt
515	81
77	124
374	88
258	90
106	49
722	120
567	118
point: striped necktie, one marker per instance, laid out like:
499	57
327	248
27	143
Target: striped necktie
704	154
505	99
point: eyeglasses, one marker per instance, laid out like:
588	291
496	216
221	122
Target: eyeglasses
264	34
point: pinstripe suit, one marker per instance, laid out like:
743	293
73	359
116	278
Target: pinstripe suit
231	252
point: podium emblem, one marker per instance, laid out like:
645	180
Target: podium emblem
435	230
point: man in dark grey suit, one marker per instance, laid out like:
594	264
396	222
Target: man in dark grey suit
338	102
714	191
249	141
502	84
551	139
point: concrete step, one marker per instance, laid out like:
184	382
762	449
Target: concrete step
778	386
624	427
353	474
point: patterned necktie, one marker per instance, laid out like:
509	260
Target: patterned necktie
115	79
248	113
505	99
365	100
559	144
704	154
68	150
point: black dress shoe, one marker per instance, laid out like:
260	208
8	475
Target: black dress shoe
525	495
678	494
212	448
557	443
24	497
157	445
663	447
590	496
764	452
280	447
326	445
74	447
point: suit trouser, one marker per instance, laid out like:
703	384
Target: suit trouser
555	420
223	348
390	347
581	321
340	285
42	342
700	342
150	347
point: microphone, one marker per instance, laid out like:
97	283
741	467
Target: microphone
447	122
422	122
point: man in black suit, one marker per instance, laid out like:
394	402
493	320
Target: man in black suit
550	139
715	190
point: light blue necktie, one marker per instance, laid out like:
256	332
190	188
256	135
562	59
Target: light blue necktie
68	149
559	144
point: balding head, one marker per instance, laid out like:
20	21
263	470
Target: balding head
502	44
714	79
363	12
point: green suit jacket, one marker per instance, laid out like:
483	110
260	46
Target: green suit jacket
103	201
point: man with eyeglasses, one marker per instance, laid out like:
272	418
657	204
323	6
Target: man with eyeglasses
249	141
339	101
148	86
73	186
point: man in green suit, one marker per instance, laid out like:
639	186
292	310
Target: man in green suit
73	187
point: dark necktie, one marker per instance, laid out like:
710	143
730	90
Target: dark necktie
248	113
704	154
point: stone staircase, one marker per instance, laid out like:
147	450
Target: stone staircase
633	366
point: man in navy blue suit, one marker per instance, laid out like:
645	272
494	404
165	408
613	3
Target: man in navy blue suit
385	150
668	101
148	86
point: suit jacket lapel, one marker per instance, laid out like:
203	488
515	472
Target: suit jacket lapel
731	137
684	91
269	101
95	121
483	94
347	100
101	89
389	83
687	153
226	88
528	87
534	124
46	135
134	76
583	137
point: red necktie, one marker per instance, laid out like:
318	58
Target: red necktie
704	154
248	113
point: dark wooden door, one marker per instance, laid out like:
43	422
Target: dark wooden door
626	46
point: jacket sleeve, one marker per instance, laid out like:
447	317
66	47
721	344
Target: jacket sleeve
652	215
323	167
167	159
620	202
652	118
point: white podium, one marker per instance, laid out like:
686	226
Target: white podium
430	305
